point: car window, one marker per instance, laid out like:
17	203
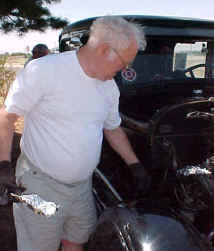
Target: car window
166	60
153	64
190	56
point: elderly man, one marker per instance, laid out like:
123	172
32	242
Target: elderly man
68	100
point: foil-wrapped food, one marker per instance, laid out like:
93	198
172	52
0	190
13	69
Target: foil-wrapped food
193	170
37	204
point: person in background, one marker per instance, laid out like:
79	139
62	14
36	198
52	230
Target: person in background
39	50
69	101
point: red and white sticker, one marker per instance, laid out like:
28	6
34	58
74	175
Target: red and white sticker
129	74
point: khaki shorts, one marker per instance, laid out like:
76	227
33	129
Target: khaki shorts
74	221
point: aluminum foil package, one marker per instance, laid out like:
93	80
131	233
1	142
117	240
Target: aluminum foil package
193	170
37	204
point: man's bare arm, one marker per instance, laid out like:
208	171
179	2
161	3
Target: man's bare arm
7	125
119	141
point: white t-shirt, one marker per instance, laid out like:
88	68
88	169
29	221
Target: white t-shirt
65	113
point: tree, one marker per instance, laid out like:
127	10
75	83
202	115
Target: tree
25	15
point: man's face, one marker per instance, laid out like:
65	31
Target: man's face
115	61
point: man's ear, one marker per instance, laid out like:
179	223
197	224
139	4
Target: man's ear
103	49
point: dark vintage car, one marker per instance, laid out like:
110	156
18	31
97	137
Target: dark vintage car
167	110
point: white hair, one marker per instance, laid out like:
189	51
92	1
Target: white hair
117	32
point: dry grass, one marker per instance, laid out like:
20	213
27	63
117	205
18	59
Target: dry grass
15	63
8	68
7	75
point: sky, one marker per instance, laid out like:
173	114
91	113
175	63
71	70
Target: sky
74	10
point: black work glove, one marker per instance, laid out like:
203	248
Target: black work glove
7	182
140	178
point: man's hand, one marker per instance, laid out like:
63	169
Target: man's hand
141	179
7	182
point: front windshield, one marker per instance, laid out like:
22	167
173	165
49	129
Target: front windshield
169	60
